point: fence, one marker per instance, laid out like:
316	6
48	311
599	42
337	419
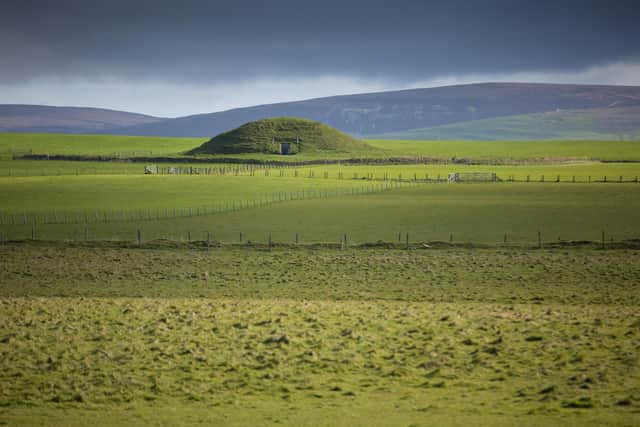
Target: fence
157	213
207	239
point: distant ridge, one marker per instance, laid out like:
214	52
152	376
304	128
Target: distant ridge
614	124
374	114
384	112
49	119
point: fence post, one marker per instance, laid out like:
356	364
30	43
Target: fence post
603	239
539	239
407	240
297	239
139	237
189	236
241	237
450	237
505	238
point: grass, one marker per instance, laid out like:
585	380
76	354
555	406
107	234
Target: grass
471	212
381	337
130	192
114	334
517	150
487	150
580	170
265	136
50	143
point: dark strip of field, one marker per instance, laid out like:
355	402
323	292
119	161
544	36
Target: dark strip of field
579	276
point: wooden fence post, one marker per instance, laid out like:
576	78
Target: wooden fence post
241	237
139	237
297	239
539	239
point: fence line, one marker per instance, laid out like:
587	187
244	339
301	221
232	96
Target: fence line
151	214
295	171
404	240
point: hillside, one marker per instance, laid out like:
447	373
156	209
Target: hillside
591	124
379	113
45	119
281	135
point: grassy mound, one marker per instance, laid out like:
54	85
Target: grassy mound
282	135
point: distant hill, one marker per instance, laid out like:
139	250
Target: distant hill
593	124
46	119
281	135
385	112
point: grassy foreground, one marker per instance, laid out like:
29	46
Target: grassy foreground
452	337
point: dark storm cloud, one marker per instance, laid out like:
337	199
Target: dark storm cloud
218	41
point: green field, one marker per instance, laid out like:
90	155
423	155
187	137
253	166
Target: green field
157	146
51	143
239	337
440	308
470	212
567	171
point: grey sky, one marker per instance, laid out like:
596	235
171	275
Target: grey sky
174	58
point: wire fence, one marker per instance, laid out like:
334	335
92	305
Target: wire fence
89	236
97	216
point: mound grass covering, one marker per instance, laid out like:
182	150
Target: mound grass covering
269	136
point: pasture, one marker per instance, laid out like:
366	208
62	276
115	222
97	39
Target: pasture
477	213
377	337
388	297
482	150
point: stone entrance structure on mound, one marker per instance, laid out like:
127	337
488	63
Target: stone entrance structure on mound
287	147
